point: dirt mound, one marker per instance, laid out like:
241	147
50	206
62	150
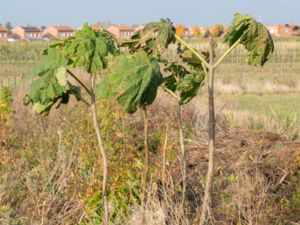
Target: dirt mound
256	174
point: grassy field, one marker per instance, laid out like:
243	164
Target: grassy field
270	91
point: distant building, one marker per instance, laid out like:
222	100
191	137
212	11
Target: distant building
58	32
29	33
283	30
122	32
138	28
3	33
13	37
96	27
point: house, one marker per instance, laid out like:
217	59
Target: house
138	28
273	29
29	33
3	33
96	27
13	37
122	32
284	30
58	32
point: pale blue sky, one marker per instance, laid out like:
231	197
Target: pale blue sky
190	12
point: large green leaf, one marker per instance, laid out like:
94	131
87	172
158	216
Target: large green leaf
185	79
254	36
51	84
88	49
155	36
133	79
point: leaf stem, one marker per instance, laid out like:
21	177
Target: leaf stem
220	60
80	82
172	93
206	64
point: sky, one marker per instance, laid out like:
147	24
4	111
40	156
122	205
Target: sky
131	12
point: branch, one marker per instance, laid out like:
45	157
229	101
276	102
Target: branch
80	82
172	93
193	51
85	101
226	53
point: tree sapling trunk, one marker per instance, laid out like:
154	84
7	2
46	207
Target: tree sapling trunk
147	161
212	137
103	153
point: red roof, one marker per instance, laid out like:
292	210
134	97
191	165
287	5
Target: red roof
96	27
31	29
125	28
3	29
64	28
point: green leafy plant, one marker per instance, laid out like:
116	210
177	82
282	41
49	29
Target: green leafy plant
134	78
53	84
183	83
259	44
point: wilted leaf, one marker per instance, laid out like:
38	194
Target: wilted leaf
133	79
88	49
254	36
51	84
62	76
155	36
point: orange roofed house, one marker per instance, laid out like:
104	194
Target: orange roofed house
3	33
28	32
59	32
122	32
284	30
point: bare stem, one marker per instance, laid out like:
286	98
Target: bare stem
212	138
182	152
164	158
147	160
220	60
102	151
80	82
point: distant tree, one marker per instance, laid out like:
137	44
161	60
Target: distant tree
105	24
206	34
8	26
196	31
43	27
217	30
180	30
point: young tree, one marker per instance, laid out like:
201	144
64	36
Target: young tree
258	42
53	81
134	77
8	26
183	83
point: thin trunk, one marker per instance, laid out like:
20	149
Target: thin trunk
182	152
165	159
147	162
103	153
212	137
